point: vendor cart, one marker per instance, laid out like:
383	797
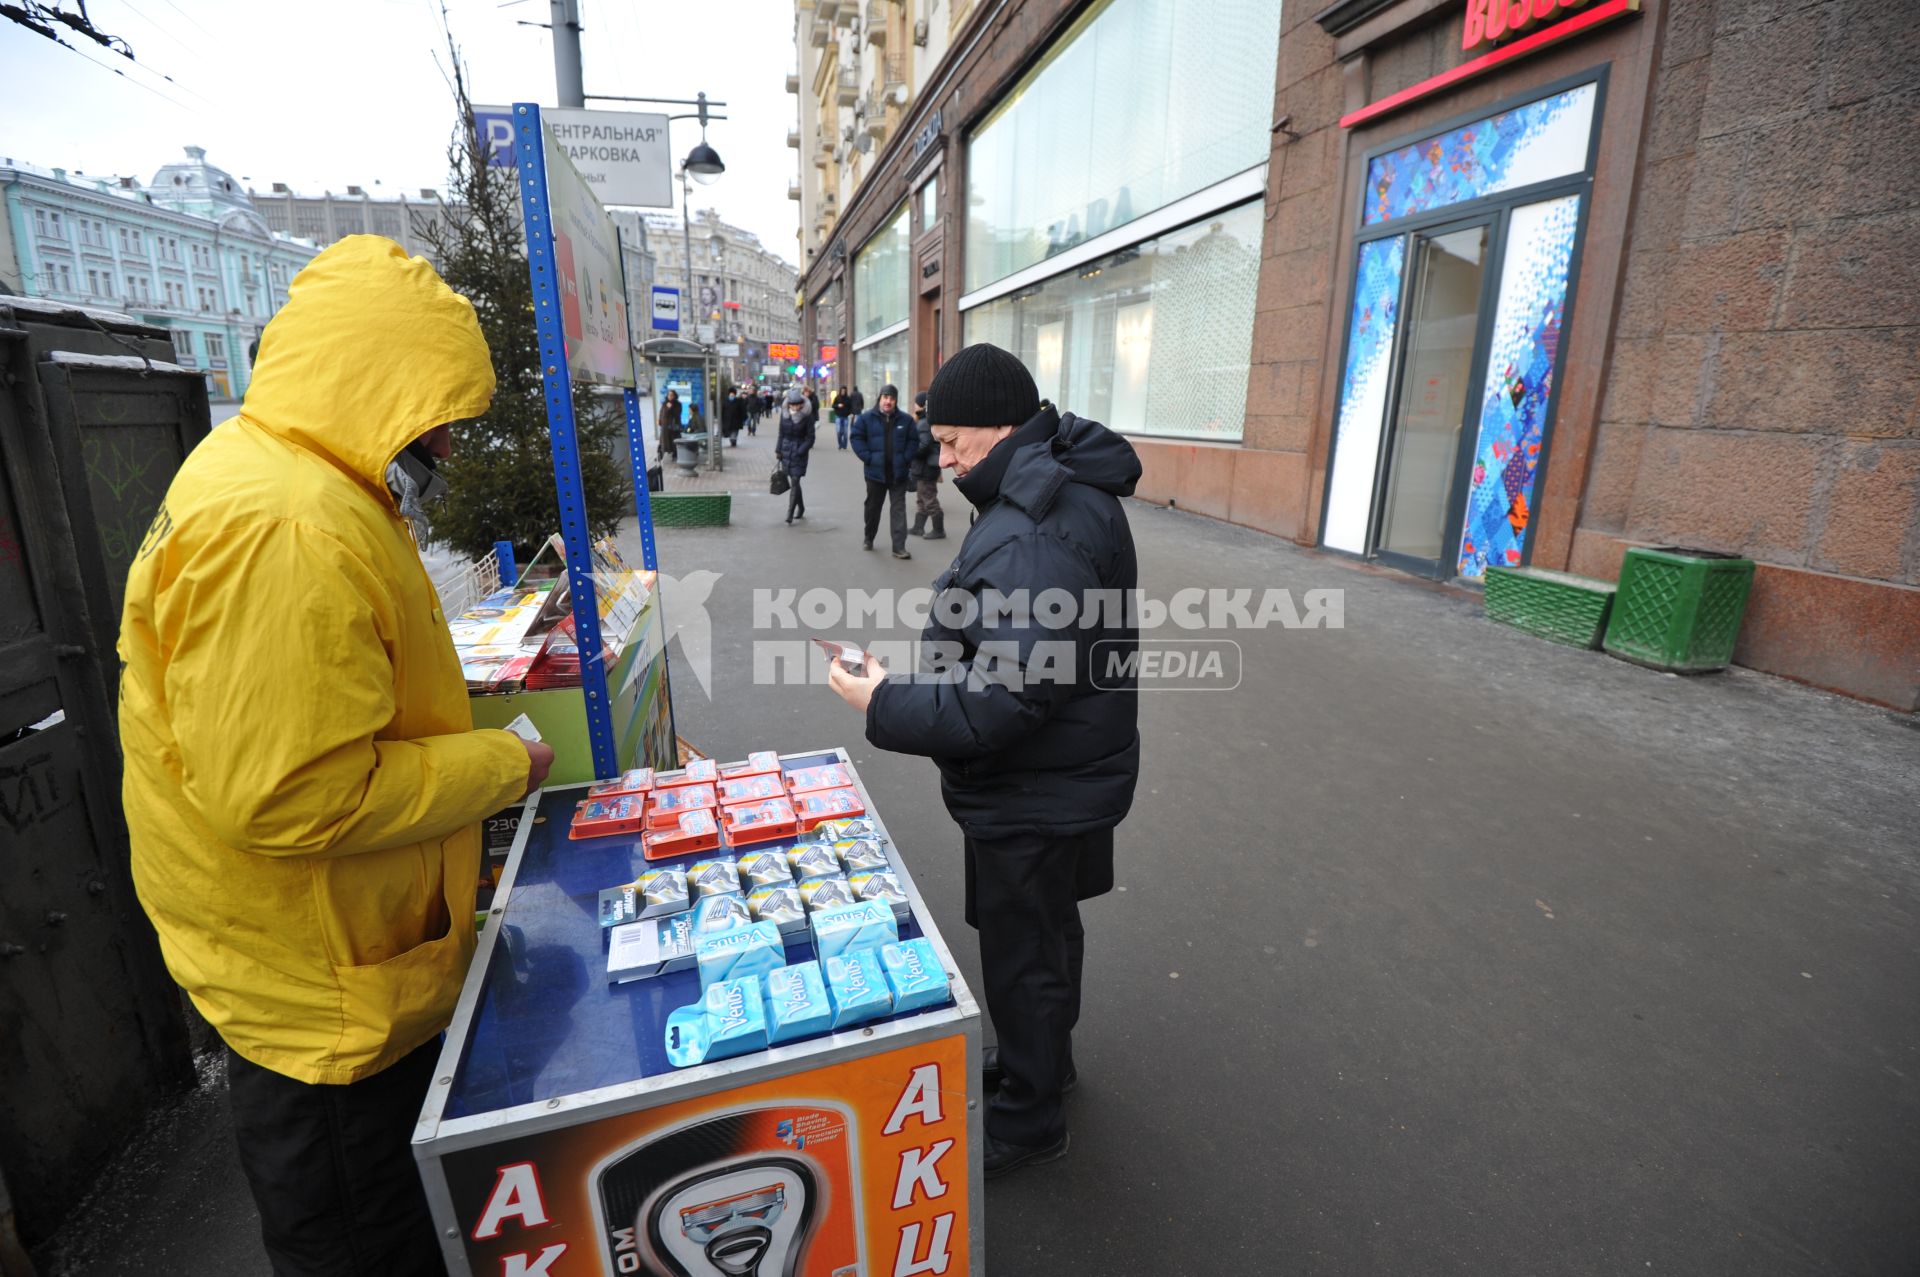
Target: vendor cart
559	1139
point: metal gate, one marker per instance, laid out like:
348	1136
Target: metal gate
92	429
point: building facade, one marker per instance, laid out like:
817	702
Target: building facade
327	217
1442	284
186	251
738	286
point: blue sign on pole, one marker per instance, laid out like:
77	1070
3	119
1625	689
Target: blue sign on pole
666	309
496	129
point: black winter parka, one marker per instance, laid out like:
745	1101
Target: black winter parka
1031	738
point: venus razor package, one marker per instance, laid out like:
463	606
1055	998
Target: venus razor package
763	762
781	905
825	893
914	974
763	868
655	892
715	914
713	878
729	1019
860	855
881	886
750	789
797	1004
864	924
650	947
813	861
857	987
745	953
841	830
830	776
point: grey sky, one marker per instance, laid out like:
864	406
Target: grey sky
320	97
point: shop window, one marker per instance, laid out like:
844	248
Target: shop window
883	362
1139	104
880	287
1533	143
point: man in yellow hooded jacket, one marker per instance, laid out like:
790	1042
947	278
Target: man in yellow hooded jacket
303	779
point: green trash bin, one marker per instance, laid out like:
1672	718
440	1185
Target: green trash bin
1679	609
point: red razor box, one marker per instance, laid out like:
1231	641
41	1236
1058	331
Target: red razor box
701	771
601	817
637	781
693	831
667	805
827	804
761	821
750	789
829	776
759	763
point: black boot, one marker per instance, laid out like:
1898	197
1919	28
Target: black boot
919	528
939	532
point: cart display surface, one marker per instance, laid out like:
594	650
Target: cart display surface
559	1138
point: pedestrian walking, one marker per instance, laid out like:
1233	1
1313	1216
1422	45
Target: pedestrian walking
925	474
856	402
668	428
842	408
796	441
733	412
885	439
1037	762
303	779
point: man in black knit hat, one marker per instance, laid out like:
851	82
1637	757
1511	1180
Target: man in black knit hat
884	438
1029	712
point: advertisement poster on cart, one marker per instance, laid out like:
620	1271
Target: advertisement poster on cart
856	1169
593	286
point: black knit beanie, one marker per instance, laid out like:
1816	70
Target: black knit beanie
982	385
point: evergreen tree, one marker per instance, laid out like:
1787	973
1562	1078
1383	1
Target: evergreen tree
500	478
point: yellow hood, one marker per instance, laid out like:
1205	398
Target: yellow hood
358	382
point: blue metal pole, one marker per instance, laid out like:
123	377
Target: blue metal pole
642	499
509	570
531	159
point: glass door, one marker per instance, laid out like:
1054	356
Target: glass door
1439	357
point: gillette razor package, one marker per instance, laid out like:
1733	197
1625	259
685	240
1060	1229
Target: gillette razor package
763	868
603	817
842	830
813	861
759	822
859	855
713	878
883	887
750	789
857	987
701	771
637	781
694	832
729	1019
715	914
745	953
825	893
651	947
914	974
822	805
762	762
804	780
665	806
864	924
781	905
653	893
797	1004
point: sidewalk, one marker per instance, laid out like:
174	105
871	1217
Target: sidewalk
1437	949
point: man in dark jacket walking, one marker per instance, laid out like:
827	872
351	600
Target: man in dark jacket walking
842	413
885	439
1030	715
925	476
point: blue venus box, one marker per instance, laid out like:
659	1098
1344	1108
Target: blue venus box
864	924
914	974
797	1003
746	953
857	987
729	1019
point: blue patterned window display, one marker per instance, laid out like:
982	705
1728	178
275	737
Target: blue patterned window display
1537	142
1363	391
1520	366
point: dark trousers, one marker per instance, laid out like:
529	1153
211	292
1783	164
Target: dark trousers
1023	897
332	1171
796	504
894	496
929	493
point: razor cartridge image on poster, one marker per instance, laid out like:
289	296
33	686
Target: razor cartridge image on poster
760	1193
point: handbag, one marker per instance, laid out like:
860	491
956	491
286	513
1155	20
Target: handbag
656	479
778	482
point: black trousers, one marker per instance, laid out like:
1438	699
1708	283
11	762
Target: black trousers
1023	897
332	1171
894	497
796	504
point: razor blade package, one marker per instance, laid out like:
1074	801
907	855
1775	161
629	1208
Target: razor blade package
651	947
655	892
813	861
825	893
701	771
864	924
861	855
713	878
696	831
822	805
637	781
666	805
760	822
744	953
857	987
842	830
914	974
605	817
750	789
781	905
763	868
797	1004
729	1019
882	887
762	762
805	780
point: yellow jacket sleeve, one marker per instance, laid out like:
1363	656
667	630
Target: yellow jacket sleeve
281	694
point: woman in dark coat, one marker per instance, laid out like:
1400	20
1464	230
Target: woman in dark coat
669	427
796	441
